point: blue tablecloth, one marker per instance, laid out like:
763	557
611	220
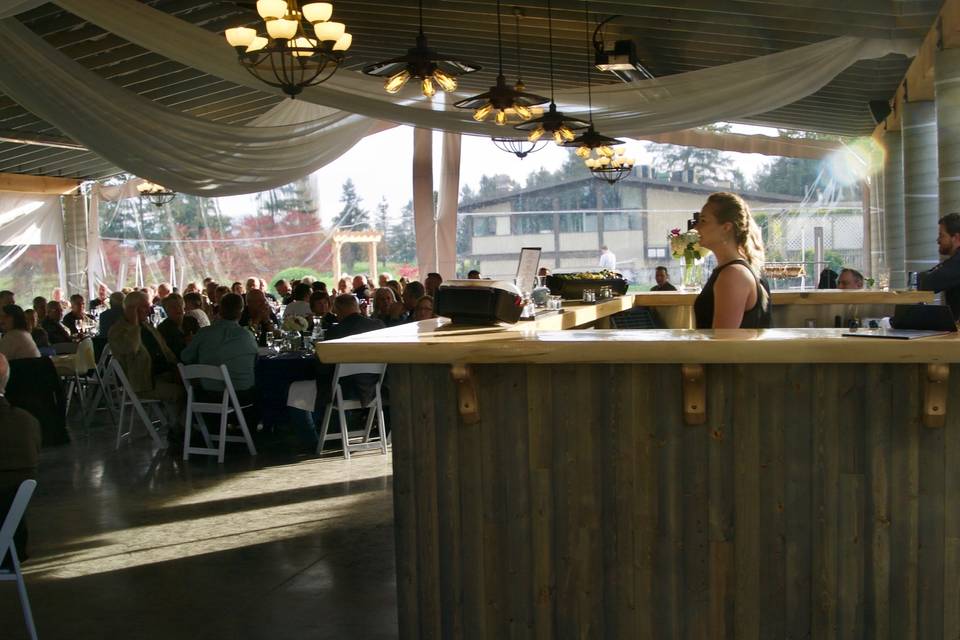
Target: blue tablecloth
274	373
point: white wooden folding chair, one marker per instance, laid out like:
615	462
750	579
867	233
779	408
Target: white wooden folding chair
74	385
138	408
97	384
228	404
374	411
9	527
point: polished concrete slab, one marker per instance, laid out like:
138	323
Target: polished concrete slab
138	543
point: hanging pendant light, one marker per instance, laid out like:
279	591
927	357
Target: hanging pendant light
602	155
424	64
505	103
302	47
520	147
553	123
155	193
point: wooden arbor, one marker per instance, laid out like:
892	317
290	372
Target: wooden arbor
370	238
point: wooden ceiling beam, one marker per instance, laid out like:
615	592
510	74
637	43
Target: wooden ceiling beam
39	185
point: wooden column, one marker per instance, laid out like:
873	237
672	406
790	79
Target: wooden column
372	257
337	266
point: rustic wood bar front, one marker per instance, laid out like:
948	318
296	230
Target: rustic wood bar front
782	483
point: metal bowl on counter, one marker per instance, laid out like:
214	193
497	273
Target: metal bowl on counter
570	286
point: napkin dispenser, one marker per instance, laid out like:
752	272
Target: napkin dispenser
479	301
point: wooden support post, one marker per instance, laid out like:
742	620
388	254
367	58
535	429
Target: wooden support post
935	395
467	403
337	267
372	254
694	394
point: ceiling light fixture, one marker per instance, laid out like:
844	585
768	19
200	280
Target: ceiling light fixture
157	195
553	122
302	47
597	150
423	63
505	103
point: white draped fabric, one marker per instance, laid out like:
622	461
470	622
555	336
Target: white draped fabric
25	220
424	215
182	152
726	92
447	206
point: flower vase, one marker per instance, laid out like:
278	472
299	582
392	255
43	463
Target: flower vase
692	272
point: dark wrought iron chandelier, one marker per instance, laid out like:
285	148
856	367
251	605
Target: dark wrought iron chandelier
601	154
506	103
302	48
553	122
423	63
155	193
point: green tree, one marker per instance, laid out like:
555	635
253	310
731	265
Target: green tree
709	165
296	196
352	215
403	238
790	176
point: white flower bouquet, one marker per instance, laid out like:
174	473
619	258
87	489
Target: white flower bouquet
685	244
295	323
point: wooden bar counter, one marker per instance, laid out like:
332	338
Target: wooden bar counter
671	484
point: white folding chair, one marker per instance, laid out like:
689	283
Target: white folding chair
138	408
99	388
374	412
228	404
9	527
74	385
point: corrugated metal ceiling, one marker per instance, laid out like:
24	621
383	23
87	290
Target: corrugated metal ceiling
673	36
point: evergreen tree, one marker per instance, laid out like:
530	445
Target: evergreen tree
352	215
709	165
403	238
296	196
383	226
790	176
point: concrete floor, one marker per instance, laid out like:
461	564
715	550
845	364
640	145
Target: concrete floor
138	544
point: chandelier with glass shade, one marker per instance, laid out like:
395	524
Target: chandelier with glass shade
156	194
302	46
429	68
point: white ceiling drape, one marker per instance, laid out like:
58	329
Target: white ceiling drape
672	103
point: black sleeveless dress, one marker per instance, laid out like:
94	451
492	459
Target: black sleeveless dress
756	318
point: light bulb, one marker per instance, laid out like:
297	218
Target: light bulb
603	161
257	44
605	151
566	134
446	81
282	29
269	9
303	47
558	137
522	111
396	82
536	134
481	114
316	12
590	162
427	88
329	30
583	151
501	117
344	42
240	36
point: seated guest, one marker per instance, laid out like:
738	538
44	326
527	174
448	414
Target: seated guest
259	316
424	309
100	303
662	276
252	283
172	328
735	295
394	286
193	305
56	332
78	316
828	279
237	288
6	297
40	306
57	296
192	287
343	286
320	307
39	335
850	279
144	356
190	328
411	294
19	456
543	271
111	315
383	301
946	275
226	342
360	288
300	304
16	341
284	290
221	291
319	285
473	274
349	320
210	291
163	290
383	279
432	283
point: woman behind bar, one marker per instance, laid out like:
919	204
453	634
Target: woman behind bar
734	296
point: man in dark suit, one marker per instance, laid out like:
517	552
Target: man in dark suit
19	454
350	321
945	276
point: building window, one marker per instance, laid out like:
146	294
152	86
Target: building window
484	226
528	224
656	252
